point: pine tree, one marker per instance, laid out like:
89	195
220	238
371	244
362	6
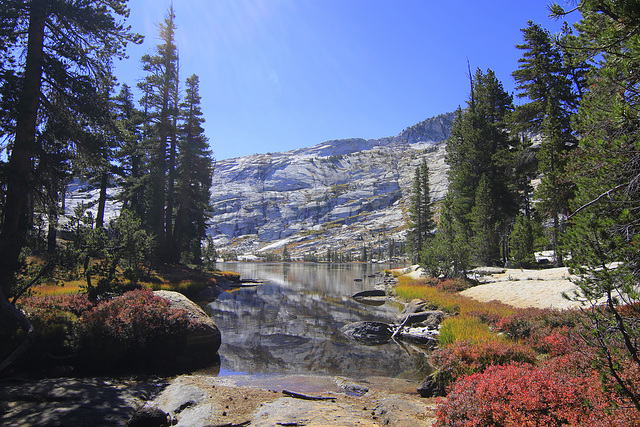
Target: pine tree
480	146
131	155
484	242
603	235
521	241
195	172
543	79
160	99
421	223
447	254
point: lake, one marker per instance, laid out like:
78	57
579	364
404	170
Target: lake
291	323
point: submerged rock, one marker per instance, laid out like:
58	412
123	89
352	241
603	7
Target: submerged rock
369	333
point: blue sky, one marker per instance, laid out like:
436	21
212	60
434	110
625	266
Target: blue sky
277	75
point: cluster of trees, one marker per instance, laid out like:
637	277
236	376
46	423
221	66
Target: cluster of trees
491	209
582	93
61	119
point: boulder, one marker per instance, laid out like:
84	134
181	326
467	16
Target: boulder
369	333
422	336
199	345
375	297
370	293
429	387
403	411
149	416
430	319
415	306
419	313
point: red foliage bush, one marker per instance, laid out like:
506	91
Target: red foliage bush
523	395
453	285
128	331
464	358
135	318
75	304
535	326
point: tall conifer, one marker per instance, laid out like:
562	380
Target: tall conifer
194	174
160	99
544	80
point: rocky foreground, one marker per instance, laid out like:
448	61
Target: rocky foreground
204	400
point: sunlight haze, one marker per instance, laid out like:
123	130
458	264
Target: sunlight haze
277	75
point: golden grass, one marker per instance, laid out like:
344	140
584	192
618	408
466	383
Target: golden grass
65	288
468	325
409	289
465	328
183	281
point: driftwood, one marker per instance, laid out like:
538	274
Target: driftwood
306	396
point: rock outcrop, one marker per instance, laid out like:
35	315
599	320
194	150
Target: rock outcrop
193	400
199	345
339	194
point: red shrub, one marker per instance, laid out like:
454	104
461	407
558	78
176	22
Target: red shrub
523	395
75	304
453	285
135	318
464	358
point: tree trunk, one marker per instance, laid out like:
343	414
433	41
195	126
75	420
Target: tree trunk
102	199
52	232
19	182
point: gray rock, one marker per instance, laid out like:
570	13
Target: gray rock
296	412
199	346
149	416
92	402
187	402
403	411
429	387
414	306
427	319
369	333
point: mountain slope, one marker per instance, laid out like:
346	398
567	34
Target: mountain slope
339	195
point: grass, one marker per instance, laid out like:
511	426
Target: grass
409	289
64	288
180	279
473	317
465	328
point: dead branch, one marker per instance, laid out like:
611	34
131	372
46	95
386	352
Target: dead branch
306	396
597	199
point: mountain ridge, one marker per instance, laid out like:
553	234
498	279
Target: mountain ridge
339	195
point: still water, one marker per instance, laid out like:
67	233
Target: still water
291	323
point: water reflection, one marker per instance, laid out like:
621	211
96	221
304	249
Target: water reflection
291	324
